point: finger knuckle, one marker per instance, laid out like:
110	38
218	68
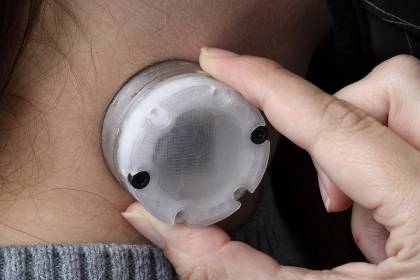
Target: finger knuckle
339	122
340	115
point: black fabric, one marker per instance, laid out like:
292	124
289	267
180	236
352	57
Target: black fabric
367	32
404	11
351	39
394	28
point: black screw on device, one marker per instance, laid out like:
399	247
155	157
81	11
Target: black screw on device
139	180
259	135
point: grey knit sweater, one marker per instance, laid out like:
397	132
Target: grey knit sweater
265	231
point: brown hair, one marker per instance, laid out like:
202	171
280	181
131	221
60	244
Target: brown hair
17	19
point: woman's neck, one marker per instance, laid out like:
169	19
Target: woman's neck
55	185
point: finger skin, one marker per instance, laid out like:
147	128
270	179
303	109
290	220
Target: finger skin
391	94
337	200
208	253
360	155
369	236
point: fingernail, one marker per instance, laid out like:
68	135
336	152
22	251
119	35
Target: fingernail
324	195
217	53
141	222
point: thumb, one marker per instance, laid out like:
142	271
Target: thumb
208	252
201	253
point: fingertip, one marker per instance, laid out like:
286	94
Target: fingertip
154	230
249	75
211	53
134	207
174	236
211	59
340	203
334	199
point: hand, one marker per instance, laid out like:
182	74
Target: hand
365	144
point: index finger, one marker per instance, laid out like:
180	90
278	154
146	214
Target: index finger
363	157
272	88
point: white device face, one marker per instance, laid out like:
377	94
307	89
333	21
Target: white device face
185	145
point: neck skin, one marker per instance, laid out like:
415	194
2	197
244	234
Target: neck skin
55	187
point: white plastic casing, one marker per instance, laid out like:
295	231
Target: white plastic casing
191	134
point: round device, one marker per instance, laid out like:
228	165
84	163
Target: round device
185	145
